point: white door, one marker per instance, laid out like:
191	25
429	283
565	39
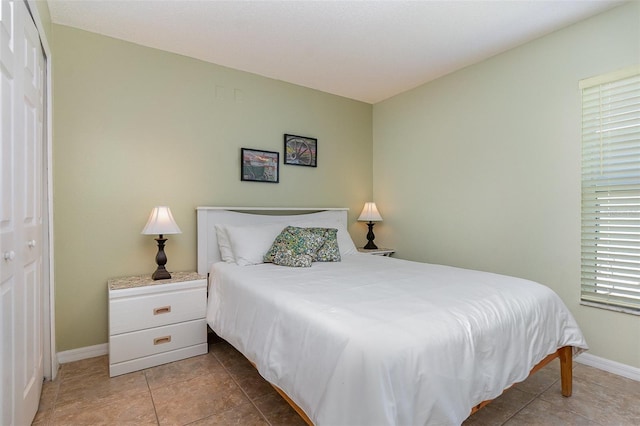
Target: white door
8	234
21	226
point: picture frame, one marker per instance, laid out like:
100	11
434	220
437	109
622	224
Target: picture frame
300	151
259	166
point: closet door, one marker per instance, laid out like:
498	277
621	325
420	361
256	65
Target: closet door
9	234
21	230
30	323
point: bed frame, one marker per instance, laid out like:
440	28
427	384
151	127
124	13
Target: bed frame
209	253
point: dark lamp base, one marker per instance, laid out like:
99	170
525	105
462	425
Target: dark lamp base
161	274
370	246
161	259
370	237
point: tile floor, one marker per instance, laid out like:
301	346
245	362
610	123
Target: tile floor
222	388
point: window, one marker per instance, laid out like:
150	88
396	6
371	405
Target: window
611	191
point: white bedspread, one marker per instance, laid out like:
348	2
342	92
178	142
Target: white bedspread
374	340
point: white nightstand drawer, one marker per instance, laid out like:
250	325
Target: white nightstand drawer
137	344
154	310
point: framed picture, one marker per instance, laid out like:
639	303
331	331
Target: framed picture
300	151
259	166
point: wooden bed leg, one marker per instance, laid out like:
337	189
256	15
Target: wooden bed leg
566	369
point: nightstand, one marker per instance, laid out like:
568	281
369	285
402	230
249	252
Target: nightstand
377	252
155	322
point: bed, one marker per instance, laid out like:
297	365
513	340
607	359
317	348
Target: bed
375	340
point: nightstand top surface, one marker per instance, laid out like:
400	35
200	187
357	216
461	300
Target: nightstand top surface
378	250
145	280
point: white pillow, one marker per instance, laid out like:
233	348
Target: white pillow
250	243
226	253
345	243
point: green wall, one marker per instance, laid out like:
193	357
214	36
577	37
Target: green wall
137	127
481	168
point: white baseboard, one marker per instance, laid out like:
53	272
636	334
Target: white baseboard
614	367
83	353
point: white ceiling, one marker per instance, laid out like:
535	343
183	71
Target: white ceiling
363	50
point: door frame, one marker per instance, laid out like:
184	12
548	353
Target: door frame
50	360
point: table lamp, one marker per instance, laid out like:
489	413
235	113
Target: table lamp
161	223
370	214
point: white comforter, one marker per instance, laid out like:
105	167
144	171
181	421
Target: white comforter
374	340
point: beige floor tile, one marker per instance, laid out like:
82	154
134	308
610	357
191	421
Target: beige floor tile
125	411
245	414
231	359
277	411
597	403
541	381
179	371
195	399
49	394
243	372
501	408
608	380
86	367
43	417
252	383
48	398
100	390
543	413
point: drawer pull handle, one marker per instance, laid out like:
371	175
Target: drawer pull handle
162	310
161	340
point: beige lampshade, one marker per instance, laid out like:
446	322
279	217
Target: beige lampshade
161	222
370	213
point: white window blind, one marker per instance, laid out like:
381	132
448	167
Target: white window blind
611	191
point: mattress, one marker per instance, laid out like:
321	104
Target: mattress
375	340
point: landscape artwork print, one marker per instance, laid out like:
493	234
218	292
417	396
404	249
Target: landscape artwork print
259	166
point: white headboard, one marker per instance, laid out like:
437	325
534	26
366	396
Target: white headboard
208	217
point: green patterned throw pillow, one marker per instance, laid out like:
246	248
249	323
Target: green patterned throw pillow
329	251
287	258
297	241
